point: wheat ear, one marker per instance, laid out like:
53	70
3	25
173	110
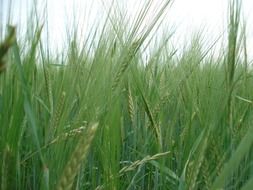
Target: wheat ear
130	105
126	61
77	157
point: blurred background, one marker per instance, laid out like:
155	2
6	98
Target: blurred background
184	18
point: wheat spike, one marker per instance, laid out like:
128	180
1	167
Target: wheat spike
155	127
49	88
126	60
146	159
5	46
57	115
198	162
161	103
77	157
130	105
206	174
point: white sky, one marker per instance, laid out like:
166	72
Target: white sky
186	16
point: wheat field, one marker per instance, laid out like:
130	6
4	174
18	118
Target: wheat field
101	116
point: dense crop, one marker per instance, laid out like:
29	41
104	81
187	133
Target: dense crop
104	117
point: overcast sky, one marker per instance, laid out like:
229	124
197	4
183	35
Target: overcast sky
186	16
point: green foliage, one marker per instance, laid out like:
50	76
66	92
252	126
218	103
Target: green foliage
169	122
